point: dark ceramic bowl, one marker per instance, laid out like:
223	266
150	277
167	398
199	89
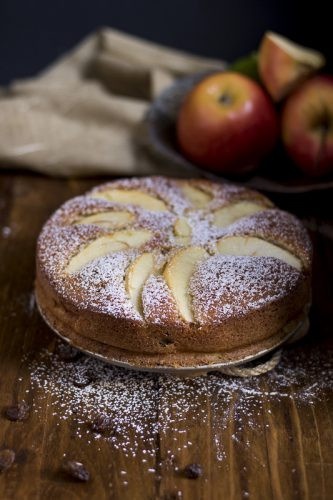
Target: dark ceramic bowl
276	174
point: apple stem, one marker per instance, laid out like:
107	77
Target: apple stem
225	99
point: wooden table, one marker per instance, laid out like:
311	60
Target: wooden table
284	453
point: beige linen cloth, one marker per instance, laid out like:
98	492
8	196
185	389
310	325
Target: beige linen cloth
82	115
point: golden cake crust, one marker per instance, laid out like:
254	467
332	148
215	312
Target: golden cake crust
225	306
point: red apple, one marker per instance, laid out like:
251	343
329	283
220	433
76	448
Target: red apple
307	125
227	123
283	64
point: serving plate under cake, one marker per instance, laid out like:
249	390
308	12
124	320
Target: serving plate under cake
293	330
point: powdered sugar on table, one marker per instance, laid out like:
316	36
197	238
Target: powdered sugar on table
141	405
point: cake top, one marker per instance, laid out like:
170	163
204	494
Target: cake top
157	248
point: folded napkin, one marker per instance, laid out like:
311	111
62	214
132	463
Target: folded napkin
83	115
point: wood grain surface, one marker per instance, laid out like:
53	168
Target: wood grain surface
286	452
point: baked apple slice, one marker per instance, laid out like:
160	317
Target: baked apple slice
137	274
132	197
177	275
227	215
198	197
108	220
108	244
182	231
252	246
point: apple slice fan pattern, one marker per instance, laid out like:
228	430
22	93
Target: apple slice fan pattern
175	275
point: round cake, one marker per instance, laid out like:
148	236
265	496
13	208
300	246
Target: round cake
160	272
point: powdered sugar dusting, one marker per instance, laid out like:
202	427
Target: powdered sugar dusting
234	285
101	285
141	406
157	302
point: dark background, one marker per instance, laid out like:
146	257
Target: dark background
34	32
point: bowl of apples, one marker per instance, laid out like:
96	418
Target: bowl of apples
265	121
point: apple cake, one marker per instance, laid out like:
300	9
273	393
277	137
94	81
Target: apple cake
161	272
